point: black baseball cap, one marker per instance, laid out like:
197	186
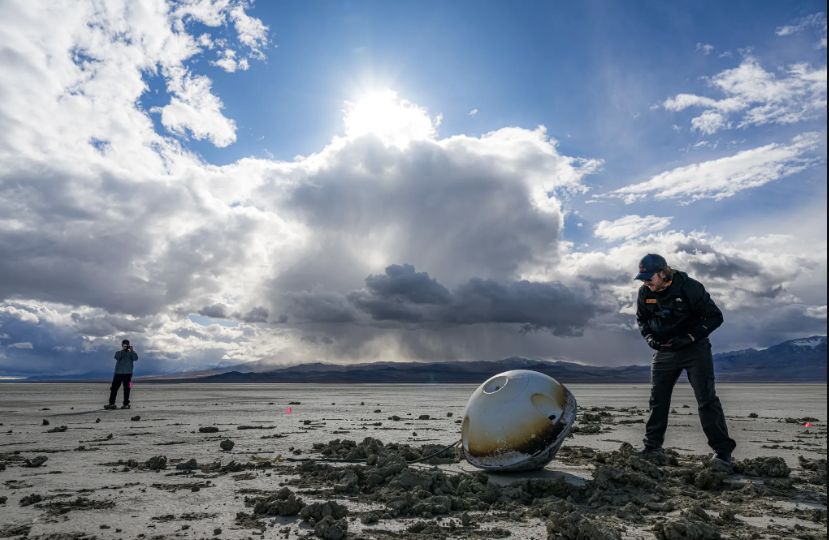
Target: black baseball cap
649	265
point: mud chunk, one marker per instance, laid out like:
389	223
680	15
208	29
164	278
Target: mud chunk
15	530
573	526
377	411
319	511
58	429
30	499
233	466
227	445
217	531
188	465
135	418
713	475
395	418
3	499
282	503
772	467
208	429
331	529
97	420
369	518
45	422
450	415
423	417
684	529
754	415
157	463
586	429
36	461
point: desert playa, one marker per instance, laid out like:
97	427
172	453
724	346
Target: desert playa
212	461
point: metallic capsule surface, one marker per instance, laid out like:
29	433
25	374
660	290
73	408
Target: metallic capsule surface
517	421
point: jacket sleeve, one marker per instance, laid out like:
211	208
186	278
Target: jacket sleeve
134	356
710	316
642	316
118	355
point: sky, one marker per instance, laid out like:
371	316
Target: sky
276	183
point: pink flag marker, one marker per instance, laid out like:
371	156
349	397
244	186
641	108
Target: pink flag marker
288	410
808	424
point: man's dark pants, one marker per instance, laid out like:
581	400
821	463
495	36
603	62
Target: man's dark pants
117	380
698	362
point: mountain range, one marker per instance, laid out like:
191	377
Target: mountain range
796	361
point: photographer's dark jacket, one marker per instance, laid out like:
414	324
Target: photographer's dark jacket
124	361
681	309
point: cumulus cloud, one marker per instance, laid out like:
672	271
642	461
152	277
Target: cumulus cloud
758	96
24	345
629	227
227	61
708	123
194	108
405	295
728	176
389	243
251	31
705	48
816	21
816	312
473	112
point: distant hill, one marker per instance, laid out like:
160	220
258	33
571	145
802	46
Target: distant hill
801	360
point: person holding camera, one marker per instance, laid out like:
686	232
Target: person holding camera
124	360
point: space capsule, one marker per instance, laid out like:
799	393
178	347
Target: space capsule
517	421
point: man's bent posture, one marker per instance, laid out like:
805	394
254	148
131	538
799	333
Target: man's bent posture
675	316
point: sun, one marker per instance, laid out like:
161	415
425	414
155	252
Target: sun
394	120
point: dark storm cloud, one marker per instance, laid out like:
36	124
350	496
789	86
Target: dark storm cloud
255	315
99	242
725	267
534	306
407	296
59	350
402	281
109	324
320	306
216	311
386	309
458	213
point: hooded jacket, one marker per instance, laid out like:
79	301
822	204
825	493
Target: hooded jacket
683	308
124	361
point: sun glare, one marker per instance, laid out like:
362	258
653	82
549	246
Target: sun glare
394	120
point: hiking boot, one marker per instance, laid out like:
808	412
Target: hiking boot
649	451
125	406
110	407
725	458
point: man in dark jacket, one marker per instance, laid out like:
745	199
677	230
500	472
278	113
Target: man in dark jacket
675	316
124	359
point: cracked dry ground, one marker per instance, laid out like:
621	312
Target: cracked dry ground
188	488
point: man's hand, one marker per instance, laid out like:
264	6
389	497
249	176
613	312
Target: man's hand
653	344
680	342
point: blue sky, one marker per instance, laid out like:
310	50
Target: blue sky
283	182
589	71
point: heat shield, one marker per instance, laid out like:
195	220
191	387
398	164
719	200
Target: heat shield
517	421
